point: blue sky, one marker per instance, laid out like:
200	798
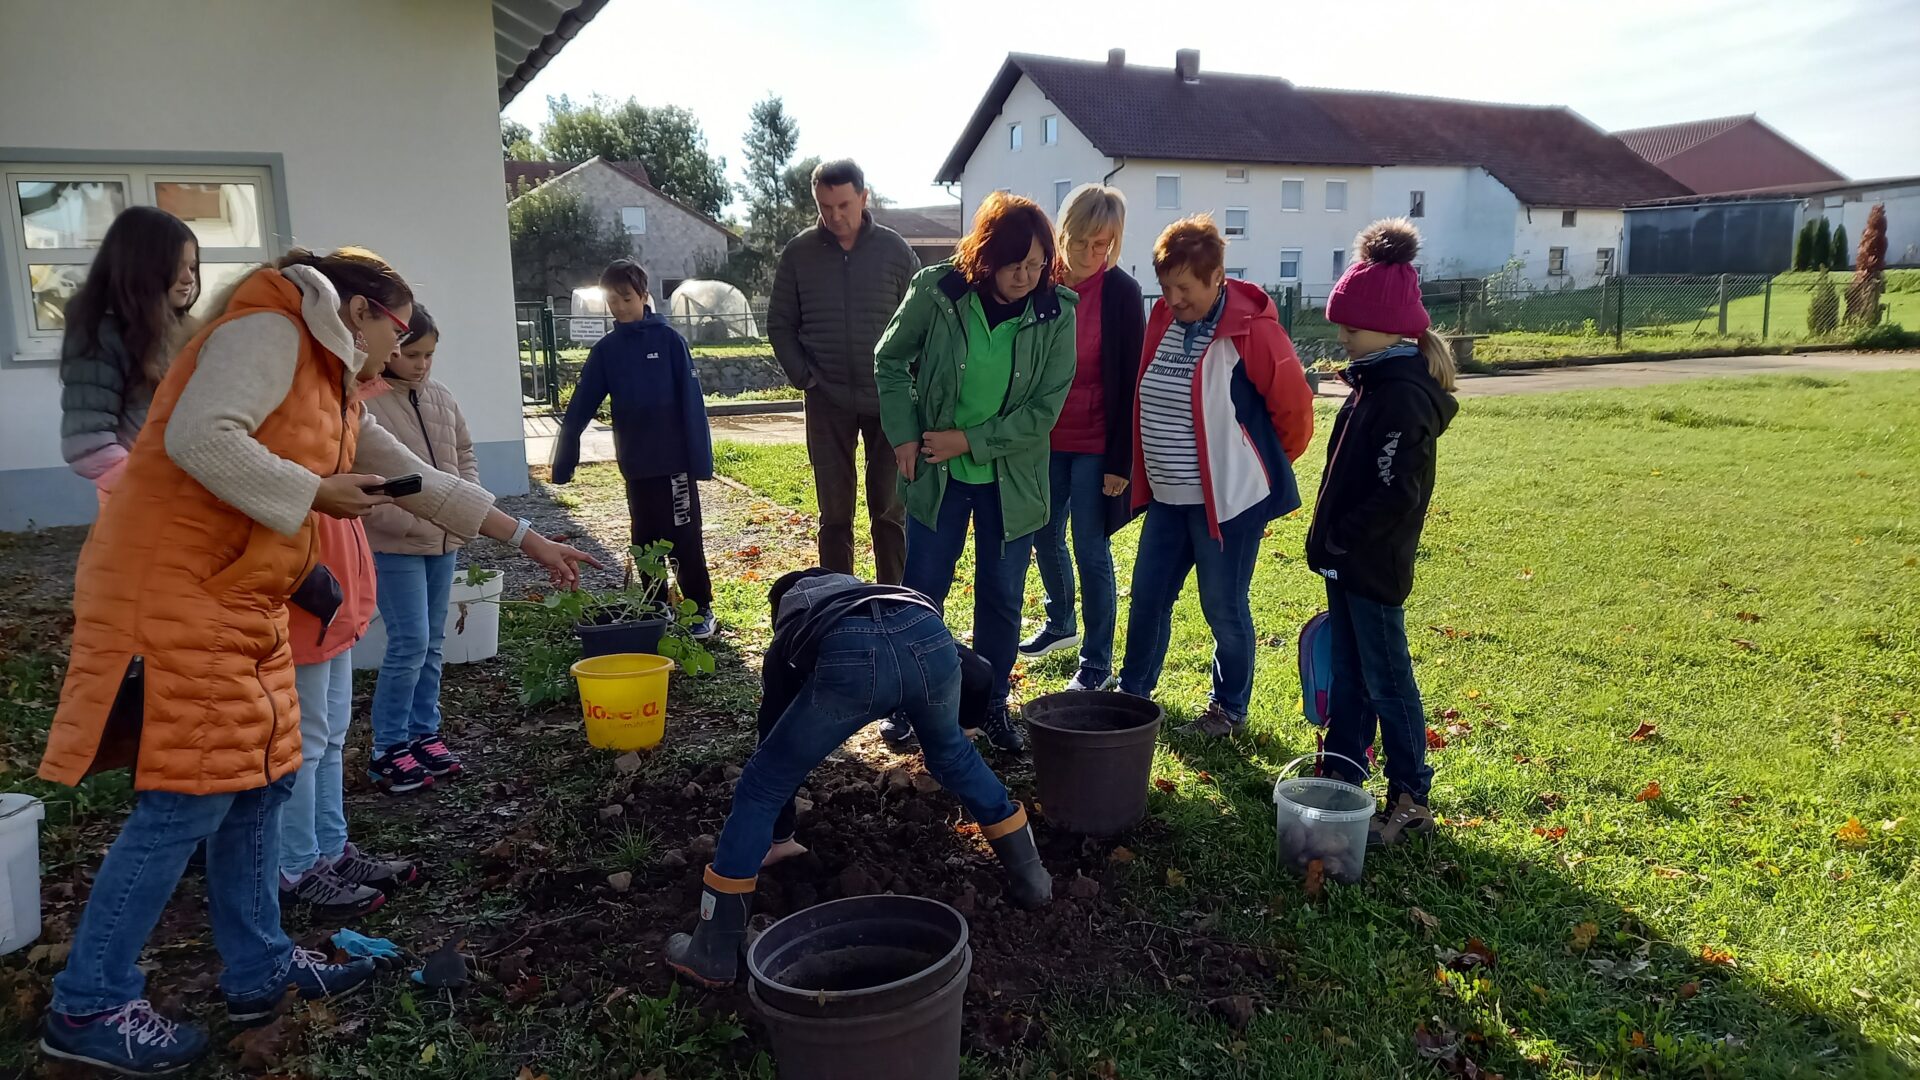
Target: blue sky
891	84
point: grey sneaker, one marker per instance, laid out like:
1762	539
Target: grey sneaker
331	896
1093	680
1216	723
356	867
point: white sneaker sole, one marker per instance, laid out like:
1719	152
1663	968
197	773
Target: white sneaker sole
62	1055
1070	642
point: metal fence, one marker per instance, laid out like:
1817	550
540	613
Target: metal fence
553	341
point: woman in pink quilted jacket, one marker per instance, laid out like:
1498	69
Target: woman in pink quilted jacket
414	561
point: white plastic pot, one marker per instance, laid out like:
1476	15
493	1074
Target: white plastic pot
473	625
19	870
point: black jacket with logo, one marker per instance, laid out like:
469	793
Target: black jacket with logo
1379	475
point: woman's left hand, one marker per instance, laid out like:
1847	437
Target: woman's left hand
561	560
1114	485
939	446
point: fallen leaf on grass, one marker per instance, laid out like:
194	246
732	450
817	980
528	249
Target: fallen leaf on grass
1739	801
429	1052
1744	644
265	1047
1476	954
1526	574
1649	793
1316	882
525	991
1121	855
1462	823
1163	784
1553	835
1175	879
1643	733
1747	616
1716	956
1582	937
1549	800
1688	990
1449	714
1671	873
526	1073
1473	695
1852	834
1436	740
1427	923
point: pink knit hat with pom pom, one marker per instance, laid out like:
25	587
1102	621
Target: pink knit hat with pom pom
1381	291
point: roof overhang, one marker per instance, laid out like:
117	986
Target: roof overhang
529	33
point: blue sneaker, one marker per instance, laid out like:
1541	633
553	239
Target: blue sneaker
1046	641
132	1040
1088	679
311	977
706	627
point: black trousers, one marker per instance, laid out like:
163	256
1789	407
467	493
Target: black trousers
668	508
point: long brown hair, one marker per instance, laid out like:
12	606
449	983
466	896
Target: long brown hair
129	280
1004	229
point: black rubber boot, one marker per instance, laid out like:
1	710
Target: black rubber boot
1028	882
710	955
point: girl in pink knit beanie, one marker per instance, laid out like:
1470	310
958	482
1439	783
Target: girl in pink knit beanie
1367	519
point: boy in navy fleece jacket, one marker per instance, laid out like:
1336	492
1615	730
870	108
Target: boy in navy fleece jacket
660	433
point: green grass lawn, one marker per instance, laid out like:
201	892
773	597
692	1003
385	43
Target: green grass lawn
1737	564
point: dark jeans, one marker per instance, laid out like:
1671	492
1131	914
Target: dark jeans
138	876
1173	541
1373	682
832	433
999	571
668	508
900	662
1078	489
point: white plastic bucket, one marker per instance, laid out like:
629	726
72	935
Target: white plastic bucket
1318	818
19	870
473	625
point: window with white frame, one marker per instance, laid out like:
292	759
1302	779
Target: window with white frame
1416	204
1569	218
1050	130
1557	261
634	220
1293	194
1336	194
1236	174
1166	192
56	216
1237	273
1061	189
1339	262
1290	264
1236	223
1013	136
1603	262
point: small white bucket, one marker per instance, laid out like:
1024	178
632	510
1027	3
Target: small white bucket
19	870
473	625
1318	818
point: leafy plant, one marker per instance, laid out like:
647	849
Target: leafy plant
1803	248
1822	245
1869	275
477	576
1839	247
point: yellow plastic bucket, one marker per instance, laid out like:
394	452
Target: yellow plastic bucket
623	697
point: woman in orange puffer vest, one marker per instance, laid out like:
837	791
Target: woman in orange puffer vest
181	664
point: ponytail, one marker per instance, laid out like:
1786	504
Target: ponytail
1439	359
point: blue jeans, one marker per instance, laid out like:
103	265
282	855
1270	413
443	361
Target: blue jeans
413	604
1373	682
1078	483
999	572
902	661
313	826
1173	541
242	834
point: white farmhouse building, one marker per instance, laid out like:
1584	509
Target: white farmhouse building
265	125
1291	174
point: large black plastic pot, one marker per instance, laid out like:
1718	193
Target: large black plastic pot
868	987
1093	758
635	636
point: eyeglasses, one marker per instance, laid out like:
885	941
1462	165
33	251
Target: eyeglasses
384	310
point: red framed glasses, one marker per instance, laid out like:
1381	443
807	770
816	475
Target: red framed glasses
388	312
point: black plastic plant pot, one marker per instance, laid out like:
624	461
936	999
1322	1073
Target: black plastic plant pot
632	636
875	980
1093	758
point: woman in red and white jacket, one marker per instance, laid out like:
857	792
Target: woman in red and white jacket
1221	413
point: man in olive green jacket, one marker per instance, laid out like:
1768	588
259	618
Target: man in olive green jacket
836	286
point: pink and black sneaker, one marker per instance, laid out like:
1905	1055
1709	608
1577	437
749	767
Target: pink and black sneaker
433	756
398	771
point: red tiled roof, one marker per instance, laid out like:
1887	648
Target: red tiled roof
1662	141
1546	156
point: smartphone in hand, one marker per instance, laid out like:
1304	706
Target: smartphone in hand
397	487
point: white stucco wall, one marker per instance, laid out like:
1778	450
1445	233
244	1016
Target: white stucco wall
386	116
1468	227
1903	222
1538	229
1032	170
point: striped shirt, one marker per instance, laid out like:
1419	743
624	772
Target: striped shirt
1168	441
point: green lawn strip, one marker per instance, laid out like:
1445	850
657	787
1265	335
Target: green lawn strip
1596	561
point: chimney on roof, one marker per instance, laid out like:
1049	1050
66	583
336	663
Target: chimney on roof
1186	64
1116	58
